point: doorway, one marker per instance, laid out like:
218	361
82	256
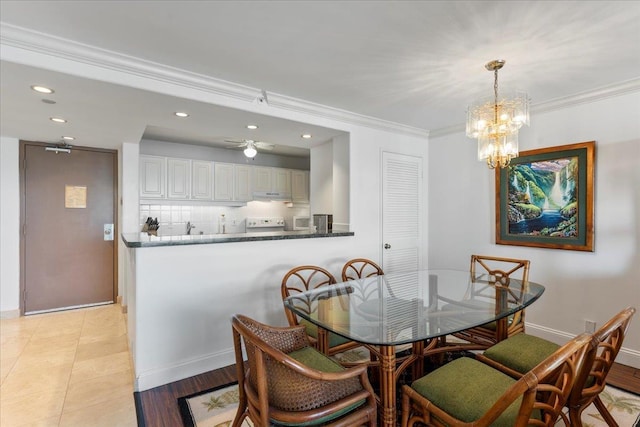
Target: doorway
402	216
68	212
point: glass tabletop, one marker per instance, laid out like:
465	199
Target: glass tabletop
405	307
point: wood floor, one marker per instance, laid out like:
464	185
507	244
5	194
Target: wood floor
158	407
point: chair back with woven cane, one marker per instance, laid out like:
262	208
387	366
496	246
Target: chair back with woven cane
507	272
285	381
466	392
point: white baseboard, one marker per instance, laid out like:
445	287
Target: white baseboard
9	314
165	375
154	378
626	356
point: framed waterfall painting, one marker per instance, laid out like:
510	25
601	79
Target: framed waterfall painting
544	198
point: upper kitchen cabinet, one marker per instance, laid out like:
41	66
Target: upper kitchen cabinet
300	186
223	181
178	179
201	180
271	182
152	177
262	179
282	181
242	183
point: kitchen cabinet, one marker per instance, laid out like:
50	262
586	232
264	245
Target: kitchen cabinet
269	181
282	181
300	186
152	177
201	180
242	183
170	178
262	179
178	179
223	181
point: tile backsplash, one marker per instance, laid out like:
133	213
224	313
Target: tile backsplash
173	219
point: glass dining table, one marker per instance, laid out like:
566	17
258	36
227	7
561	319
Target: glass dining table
414	307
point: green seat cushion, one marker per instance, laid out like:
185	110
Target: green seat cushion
466	389
521	352
309	356
312	330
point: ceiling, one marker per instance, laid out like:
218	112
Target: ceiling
415	63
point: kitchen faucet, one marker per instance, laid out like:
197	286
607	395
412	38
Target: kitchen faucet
190	227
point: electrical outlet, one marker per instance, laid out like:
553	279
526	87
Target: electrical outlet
589	326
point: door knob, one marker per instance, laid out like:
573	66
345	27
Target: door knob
387	246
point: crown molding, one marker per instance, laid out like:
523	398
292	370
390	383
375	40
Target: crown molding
45	44
593	95
301	106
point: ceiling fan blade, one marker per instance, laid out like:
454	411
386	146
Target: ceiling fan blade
264	145
236	143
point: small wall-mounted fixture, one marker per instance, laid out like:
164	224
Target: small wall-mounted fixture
58	150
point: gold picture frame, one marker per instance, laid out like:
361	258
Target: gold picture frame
544	198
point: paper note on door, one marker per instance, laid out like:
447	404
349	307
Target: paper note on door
75	197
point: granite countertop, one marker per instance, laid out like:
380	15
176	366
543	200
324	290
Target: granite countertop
143	240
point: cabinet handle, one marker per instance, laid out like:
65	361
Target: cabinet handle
387	246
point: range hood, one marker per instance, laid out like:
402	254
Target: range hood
272	195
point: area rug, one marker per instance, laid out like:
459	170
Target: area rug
217	408
211	408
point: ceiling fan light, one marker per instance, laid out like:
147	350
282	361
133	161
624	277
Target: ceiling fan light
250	151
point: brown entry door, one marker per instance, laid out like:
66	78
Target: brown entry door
67	200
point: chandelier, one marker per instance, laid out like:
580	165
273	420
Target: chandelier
495	122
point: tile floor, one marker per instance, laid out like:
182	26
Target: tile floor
69	368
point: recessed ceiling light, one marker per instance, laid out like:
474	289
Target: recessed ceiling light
48	101
252	127
42	89
306	135
68	138
181	114
57	119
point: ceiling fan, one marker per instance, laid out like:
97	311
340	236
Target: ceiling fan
251	146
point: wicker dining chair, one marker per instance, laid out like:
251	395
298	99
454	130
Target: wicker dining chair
285	381
359	268
516	355
304	278
467	392
500	271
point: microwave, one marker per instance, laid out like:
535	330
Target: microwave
301	223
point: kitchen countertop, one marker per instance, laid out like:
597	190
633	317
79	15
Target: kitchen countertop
144	240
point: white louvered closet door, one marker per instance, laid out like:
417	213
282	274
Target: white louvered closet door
402	219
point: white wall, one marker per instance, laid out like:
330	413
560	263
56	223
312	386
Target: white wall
182	297
321	179
9	227
128	210
579	285
340	190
